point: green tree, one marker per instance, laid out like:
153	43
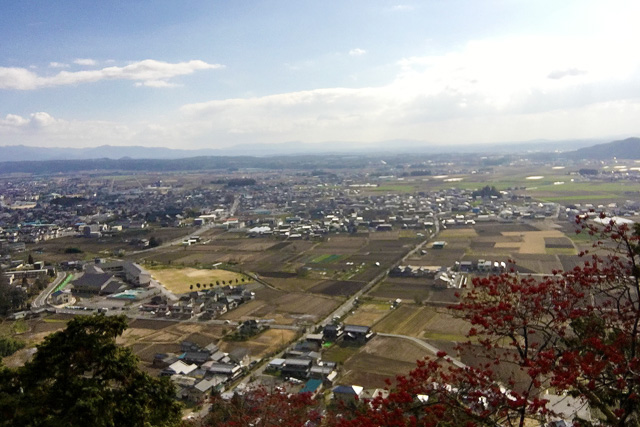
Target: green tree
12	298
9	345
80	377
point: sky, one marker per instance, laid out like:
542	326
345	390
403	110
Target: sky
195	74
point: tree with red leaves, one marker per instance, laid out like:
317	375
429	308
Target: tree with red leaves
260	407
573	333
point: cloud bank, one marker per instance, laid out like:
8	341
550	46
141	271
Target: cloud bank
486	91
149	72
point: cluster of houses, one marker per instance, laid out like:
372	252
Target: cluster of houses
197	371
206	304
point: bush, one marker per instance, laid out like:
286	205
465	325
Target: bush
9	345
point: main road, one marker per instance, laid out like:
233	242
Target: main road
41	299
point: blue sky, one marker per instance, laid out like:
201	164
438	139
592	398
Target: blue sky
212	74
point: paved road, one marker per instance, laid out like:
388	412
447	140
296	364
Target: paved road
41	300
425	345
339	312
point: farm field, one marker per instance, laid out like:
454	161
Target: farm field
262	344
284	307
337	287
368	314
407	289
180	280
423	322
379	359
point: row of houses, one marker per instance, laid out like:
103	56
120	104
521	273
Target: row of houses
205	304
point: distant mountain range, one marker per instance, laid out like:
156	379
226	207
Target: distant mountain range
12	153
624	149
21	159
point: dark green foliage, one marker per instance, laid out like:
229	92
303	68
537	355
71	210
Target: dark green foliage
9	345
80	377
12	298
68	201
73	251
154	241
588	171
487	191
240	182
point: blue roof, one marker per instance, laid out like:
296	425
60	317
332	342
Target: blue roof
311	386
345	389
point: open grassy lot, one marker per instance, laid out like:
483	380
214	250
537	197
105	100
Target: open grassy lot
179	280
379	359
368	313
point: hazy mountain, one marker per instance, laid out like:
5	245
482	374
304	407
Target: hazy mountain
13	153
625	149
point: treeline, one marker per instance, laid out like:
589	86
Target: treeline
235	182
487	191
417	173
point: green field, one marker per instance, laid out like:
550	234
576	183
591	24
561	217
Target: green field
326	258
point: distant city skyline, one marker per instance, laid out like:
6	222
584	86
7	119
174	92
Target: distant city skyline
214	74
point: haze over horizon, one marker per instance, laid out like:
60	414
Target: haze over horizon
213	74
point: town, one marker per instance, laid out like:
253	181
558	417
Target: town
327	281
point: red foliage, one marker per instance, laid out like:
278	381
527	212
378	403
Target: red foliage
260	407
576	332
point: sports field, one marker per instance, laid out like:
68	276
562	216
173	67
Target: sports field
180	280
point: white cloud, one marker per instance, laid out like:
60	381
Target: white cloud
58	65
559	74
155	83
148	72
43	130
486	91
85	61
357	52
42	119
402	7
490	90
